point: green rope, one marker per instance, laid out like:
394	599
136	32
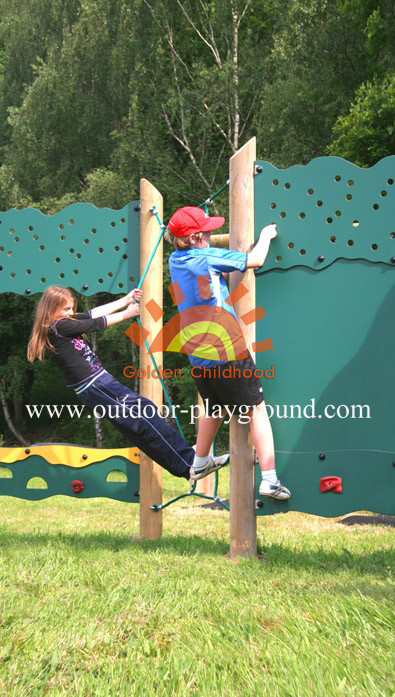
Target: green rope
211	198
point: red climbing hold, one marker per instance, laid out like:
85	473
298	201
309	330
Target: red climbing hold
331	484
77	486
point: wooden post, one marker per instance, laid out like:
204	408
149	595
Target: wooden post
150	472
241	218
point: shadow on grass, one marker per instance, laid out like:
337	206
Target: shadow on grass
275	556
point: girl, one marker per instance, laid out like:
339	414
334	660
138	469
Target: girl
60	332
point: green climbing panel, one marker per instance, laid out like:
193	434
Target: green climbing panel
15	478
328	291
82	247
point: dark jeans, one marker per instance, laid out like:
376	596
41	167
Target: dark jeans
150	433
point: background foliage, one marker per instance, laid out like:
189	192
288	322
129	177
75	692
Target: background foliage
95	94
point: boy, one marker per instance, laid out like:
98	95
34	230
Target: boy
189	230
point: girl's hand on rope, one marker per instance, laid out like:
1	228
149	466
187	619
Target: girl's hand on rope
133	310
135	295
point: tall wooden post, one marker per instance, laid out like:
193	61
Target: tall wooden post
241	218
150	472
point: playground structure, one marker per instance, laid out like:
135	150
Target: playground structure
327	289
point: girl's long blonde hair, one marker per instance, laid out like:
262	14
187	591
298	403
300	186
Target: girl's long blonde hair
52	300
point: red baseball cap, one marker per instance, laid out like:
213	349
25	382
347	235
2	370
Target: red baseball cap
188	220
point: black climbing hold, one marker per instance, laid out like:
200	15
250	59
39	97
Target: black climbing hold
85	457
137	208
321	258
258	169
27	451
85	287
393	464
259	504
322	456
392	260
28	291
136	493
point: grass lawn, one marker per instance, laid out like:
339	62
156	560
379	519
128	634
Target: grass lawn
88	609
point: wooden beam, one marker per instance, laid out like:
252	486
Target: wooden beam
150	472
241	218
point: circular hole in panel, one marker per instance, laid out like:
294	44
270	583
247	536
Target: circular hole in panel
123	220
71	221
112	224
61	275
71	250
350	182
302	215
350	243
75	272
1	268
109	275
333	238
131	278
100	250
1	249
302	252
383	193
273	205
42	280
125	240
283	214
100	280
116	476
329	220
310	191
9	254
5	473
120	285
57	260
93	231
16	239
287	185
278	258
86	241
35	237
374	247
28	271
355	223
275	182
62	237
12	274
78	256
337	178
116	248
349	197
124	256
61	226
392	235
319	203
30	228
390	182
291	245
338	214
375	206
42	247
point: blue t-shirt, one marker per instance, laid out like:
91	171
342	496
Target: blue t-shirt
189	266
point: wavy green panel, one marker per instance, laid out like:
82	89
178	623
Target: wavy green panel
328	208
82	247
60	477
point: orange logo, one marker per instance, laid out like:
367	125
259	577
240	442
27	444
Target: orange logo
206	331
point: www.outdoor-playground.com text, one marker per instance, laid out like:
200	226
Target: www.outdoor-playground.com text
195	411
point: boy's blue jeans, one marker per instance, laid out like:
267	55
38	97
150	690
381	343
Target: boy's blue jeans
145	429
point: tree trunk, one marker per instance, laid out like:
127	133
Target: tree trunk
9	421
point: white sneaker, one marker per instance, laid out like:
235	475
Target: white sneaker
275	491
212	464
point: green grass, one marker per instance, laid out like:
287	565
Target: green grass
88	609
